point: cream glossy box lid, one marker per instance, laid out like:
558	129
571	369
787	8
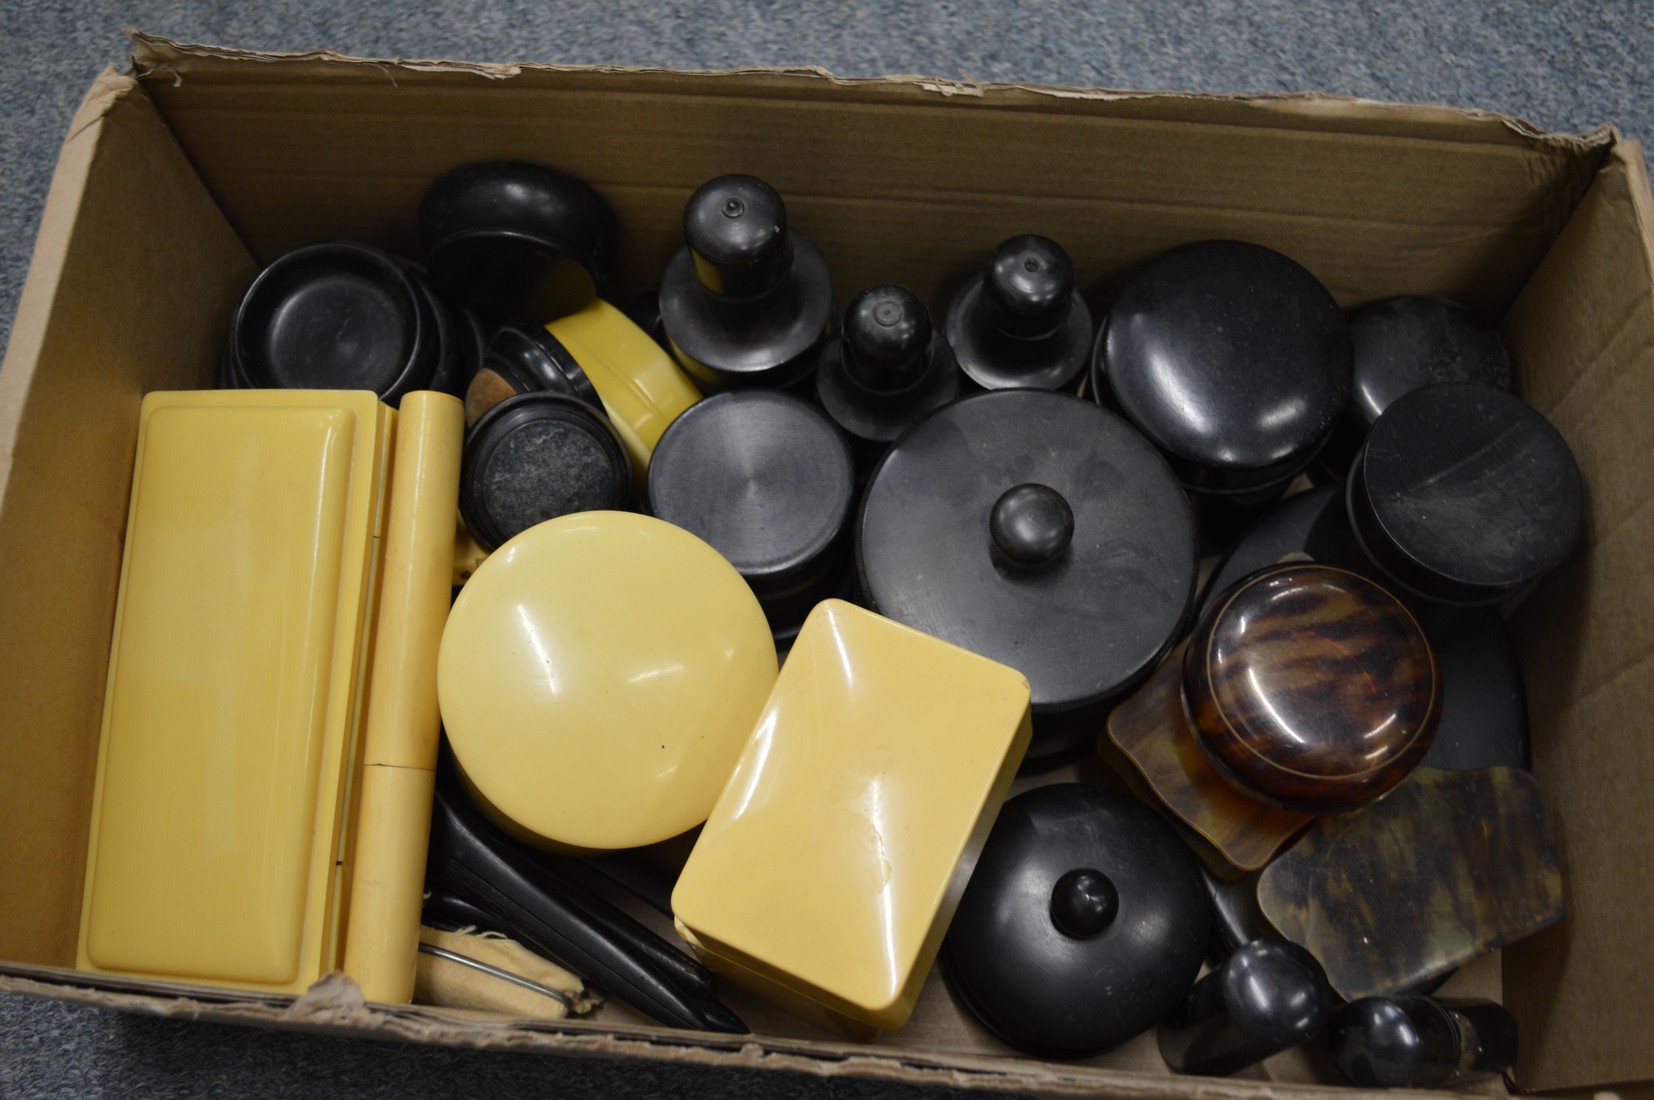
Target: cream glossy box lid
834	859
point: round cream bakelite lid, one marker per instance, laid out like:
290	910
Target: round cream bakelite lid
598	677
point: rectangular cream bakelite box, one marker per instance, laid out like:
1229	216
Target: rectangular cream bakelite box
178	179
836	856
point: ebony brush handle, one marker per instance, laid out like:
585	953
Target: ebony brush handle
1269	996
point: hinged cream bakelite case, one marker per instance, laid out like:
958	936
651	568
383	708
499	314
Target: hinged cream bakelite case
237	683
834	859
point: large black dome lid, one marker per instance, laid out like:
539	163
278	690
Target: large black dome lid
1084	922
1465	494
1232	358
1036	529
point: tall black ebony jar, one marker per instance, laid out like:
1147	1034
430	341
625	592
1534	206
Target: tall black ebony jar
1234	360
1042	531
747	298
1020	323
767	480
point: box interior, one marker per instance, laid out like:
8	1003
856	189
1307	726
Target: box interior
174	183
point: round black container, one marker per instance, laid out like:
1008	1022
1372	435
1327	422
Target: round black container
887	368
1401	344
524	358
536	457
1020	323
747	299
509	239
1084	922
1465	495
337	316
1041	531
766	480
1234	360
1484	716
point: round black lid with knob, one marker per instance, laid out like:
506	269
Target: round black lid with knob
887	368
747	296
1020	321
1464	494
1232	358
1039	530
1084	922
1401	344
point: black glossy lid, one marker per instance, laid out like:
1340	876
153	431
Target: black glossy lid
746	298
1020	321
530	358
1401	344
888	366
510	239
1232	358
1084	922
962	536
1465	494
535	457
334	316
765	479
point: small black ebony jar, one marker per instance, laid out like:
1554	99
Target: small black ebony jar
1464	494
1235	361
1401	344
745	302
1084	922
1039	530
767	480
1020	323
887	368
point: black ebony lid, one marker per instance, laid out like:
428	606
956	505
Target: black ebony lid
1084	922
334	316
1401	344
1232	358
512	239
1036	529
746	297
535	457
888	367
1020	321
1465	494
766	480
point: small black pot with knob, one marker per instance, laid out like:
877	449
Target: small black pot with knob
1020	322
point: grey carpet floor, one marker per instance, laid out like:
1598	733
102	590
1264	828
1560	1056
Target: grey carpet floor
1564	66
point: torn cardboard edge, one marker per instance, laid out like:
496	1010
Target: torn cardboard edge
334	1006
157	56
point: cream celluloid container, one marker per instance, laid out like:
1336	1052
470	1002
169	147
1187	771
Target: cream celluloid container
834	859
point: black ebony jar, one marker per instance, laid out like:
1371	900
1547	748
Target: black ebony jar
766	479
887	368
1039	530
1401	344
1084	922
747	298
1020	323
1464	494
1234	360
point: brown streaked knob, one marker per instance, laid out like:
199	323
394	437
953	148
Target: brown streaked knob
1311	688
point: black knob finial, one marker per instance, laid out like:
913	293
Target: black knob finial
1029	286
736	229
887	334
1031	524
1083	903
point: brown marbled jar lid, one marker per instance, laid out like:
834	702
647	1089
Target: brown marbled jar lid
1311	688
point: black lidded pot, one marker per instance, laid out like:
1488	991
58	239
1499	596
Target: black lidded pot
767	480
1083	924
510	239
1020	322
747	299
1235	361
535	457
1401	344
1039	530
887	367
1463	494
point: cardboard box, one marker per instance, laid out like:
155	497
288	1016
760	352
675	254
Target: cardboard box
178	179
